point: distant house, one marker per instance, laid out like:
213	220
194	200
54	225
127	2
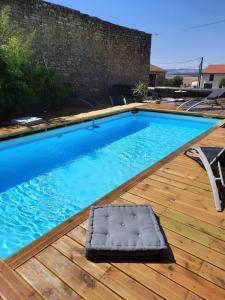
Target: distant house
156	76
212	75
190	81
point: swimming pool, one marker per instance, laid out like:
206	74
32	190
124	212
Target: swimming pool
47	177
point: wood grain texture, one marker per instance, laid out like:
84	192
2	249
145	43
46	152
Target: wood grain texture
45	282
13	287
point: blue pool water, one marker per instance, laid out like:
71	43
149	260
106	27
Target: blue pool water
48	177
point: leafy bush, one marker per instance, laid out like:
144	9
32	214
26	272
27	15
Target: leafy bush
140	90
222	83
175	81
25	88
49	92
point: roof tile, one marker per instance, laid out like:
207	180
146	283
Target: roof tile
214	69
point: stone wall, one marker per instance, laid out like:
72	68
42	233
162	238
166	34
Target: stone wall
91	53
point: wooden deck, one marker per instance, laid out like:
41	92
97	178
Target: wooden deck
54	267
9	130
202	110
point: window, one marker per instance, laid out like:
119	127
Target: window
152	79
211	77
207	85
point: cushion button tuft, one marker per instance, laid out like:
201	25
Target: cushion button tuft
122	224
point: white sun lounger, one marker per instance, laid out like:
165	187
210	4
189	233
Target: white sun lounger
210	100
27	121
212	159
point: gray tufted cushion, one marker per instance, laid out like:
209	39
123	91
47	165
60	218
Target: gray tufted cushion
118	230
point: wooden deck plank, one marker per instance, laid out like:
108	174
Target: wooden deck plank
78	234
200	200
154	195
181	172
13	287
196	212
151	279
186	231
75	277
194	183
45	282
127	287
195	223
213	274
192	296
186	260
170	194
75	252
181	185
198	250
159	208
190	281
218	245
111	277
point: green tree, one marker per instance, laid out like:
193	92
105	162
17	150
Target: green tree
175	81
222	83
14	53
25	87
168	82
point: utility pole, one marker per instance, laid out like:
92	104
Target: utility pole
200	72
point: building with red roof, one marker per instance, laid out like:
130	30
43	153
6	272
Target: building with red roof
156	76
212	76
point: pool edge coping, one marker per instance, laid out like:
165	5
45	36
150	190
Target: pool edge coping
30	250
99	114
102	114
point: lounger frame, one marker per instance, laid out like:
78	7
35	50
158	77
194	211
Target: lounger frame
196	103
208	166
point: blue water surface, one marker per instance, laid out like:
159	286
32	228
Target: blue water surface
46	178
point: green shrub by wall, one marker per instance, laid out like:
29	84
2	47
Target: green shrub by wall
25	88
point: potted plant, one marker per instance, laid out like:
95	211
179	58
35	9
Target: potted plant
140	91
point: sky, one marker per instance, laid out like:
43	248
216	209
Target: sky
169	22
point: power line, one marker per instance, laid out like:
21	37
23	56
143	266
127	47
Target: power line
205	24
191	27
178	62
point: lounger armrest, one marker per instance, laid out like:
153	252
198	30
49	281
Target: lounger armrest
124	99
111	100
221	174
